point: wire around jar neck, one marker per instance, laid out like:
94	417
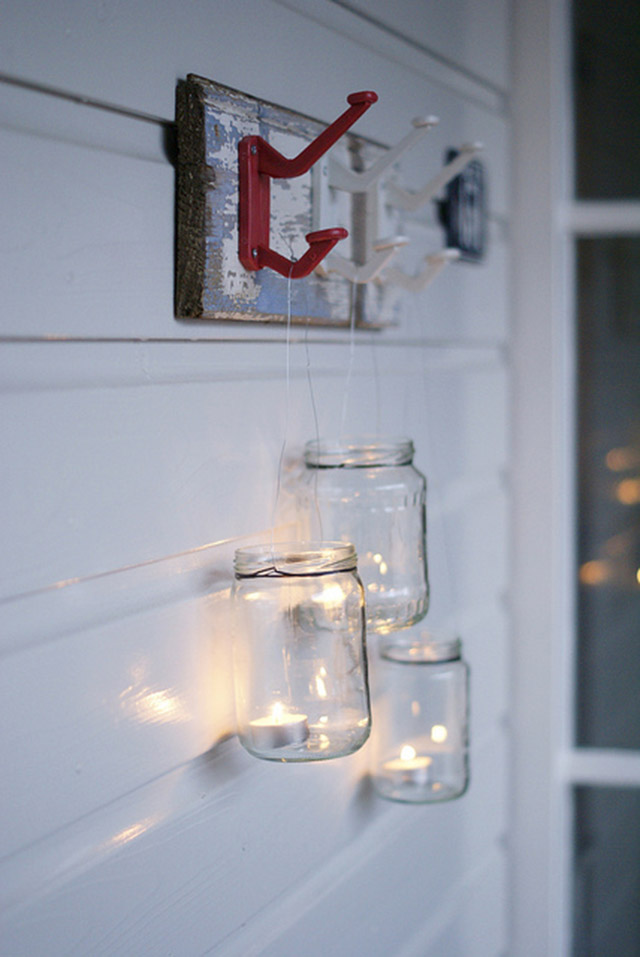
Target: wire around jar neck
294	559
358	452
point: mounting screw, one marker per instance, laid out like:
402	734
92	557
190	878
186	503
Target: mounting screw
254	149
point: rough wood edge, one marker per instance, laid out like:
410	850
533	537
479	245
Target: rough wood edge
191	176
193	180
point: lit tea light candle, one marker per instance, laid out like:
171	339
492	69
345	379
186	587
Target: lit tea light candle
279	729
409	768
439	733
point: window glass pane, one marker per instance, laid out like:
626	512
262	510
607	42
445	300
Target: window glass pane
607	873
608	653
607	98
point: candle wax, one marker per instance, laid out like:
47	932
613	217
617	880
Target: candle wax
278	730
413	770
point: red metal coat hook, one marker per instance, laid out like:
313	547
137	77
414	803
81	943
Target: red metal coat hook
258	164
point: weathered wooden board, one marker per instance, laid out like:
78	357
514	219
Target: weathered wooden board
211	283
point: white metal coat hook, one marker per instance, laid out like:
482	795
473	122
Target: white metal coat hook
433	266
353	181
410	201
376	253
379	255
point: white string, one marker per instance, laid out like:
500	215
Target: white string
286	420
317	427
418	365
376	381
352	349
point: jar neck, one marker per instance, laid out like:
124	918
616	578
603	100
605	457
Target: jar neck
358	452
294	559
424	648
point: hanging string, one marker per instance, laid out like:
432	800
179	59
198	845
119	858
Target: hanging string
411	358
317	427
352	349
287	406
376	381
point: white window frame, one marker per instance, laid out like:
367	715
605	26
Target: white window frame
547	766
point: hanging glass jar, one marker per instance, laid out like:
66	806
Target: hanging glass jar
367	491
300	663
420	741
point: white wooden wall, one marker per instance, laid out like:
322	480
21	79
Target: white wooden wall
138	452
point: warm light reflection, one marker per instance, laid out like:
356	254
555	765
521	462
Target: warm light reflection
130	833
628	491
618	460
154	707
594	573
638	576
415	708
439	733
331	596
382	565
407	752
162	705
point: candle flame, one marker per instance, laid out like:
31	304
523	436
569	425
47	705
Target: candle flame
278	712
321	687
439	733
407	752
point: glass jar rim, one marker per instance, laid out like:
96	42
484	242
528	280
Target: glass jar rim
294	559
360	451
423	648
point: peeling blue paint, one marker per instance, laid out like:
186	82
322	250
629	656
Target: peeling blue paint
229	290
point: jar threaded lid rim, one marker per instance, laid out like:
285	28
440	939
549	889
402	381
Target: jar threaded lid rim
363	451
294	559
423	648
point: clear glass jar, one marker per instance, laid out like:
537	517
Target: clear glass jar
367	491
420	742
302	691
